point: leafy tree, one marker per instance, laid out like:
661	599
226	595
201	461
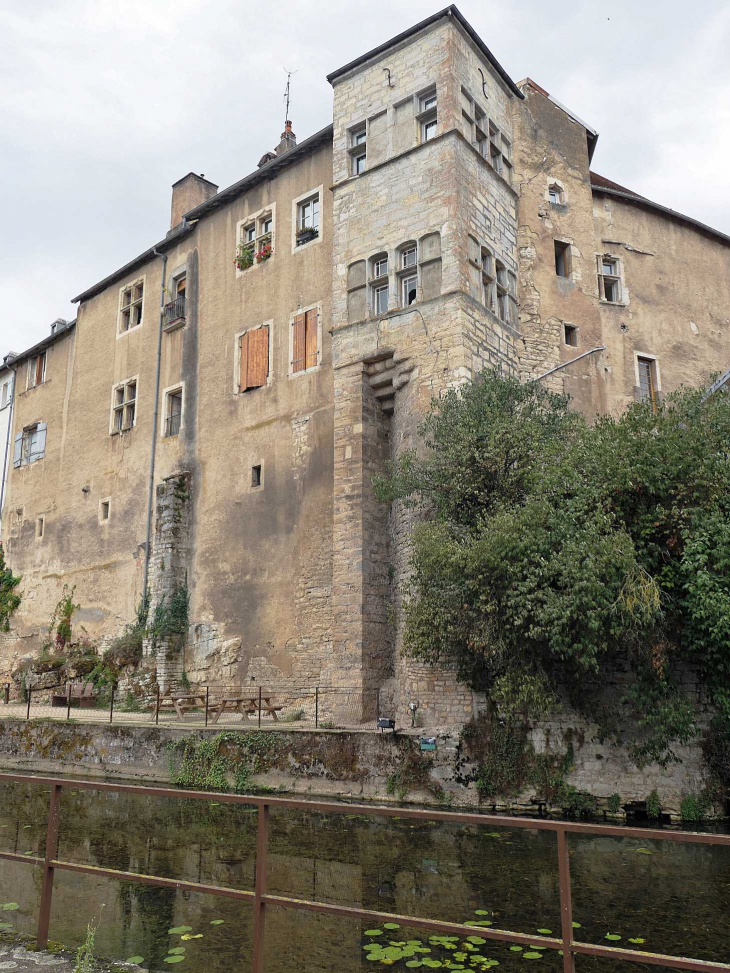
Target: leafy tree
9	597
553	554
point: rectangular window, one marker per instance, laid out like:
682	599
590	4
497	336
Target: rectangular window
308	220
173	412
570	333
358	164
506	290
428	116
30	445
409	286
253	362
130	307
36	370
380	267
124	406
104	509
256	241
175	309
408	257
562	258
359	136
40	527
256	476
648	382
609	279
380	299
305	340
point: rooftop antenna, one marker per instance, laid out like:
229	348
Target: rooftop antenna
287	93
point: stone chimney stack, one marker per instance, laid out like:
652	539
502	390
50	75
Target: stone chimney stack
188	193
288	140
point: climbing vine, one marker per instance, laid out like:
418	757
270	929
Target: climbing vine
210	763
9	597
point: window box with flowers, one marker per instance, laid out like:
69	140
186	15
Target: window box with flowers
244	256
264	253
306	234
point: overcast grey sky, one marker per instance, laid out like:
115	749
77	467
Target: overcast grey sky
105	103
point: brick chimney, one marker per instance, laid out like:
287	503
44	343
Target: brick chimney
288	140
187	193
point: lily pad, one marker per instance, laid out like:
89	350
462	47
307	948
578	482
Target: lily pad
545	932
515	949
178	950
482	922
532	956
613	936
136	960
644	851
217	922
481	912
576	925
187	936
637	941
477	940
10	907
179	930
176	958
373	932
391	925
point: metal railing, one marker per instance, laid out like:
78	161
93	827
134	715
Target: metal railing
215	704
263	901
172	424
175	310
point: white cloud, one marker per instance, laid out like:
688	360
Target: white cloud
105	103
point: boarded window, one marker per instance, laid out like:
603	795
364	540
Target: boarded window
305	341
254	359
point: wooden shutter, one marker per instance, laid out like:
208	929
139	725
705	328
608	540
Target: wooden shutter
299	343
311	339
38	443
258	357
39	363
243	372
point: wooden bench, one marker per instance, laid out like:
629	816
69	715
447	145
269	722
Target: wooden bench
81	695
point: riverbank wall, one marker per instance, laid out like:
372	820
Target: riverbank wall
364	764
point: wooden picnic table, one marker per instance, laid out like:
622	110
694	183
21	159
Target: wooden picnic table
245	705
181	702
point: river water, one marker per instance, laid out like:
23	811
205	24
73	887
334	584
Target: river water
674	897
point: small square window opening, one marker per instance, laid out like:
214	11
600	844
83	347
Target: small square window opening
570	333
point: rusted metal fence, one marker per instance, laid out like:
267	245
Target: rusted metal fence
318	707
263	901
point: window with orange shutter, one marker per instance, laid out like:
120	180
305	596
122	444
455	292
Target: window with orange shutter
305	347
253	359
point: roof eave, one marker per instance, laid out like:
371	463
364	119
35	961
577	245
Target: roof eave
41	345
673	214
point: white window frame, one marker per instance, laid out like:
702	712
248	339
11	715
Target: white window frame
618	277
427	114
403	288
257	221
129	286
376	288
403	251
557	186
295	314
295	204
115	407
6	392
166	393
30	382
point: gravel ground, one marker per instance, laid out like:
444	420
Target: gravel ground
21	960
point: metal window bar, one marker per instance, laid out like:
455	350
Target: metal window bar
172	424
262	900
175	310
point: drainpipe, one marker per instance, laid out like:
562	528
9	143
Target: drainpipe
153	451
557	368
7	447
